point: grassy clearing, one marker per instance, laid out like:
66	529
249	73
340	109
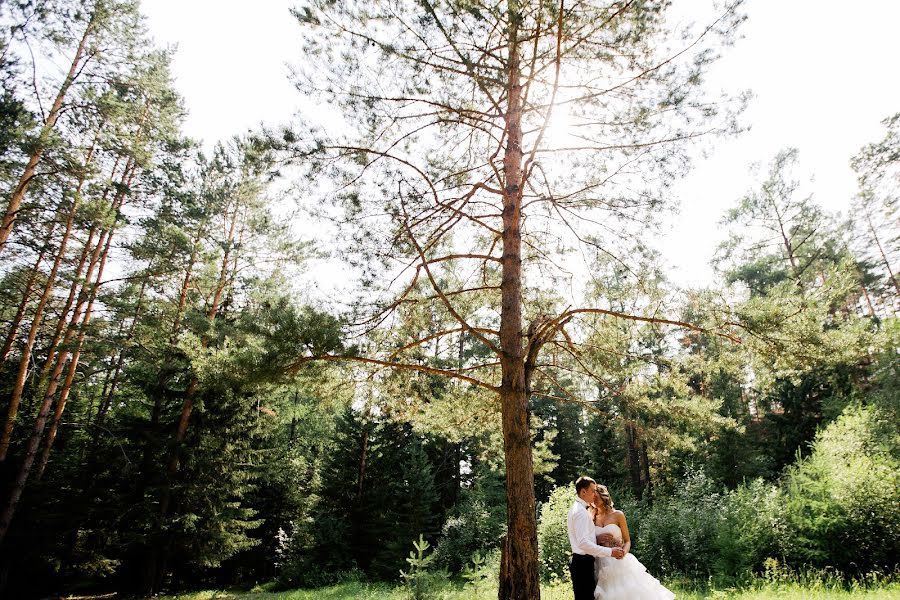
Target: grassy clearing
756	591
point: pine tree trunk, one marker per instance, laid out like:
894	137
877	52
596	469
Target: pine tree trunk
76	356
189	395
161	552
293	435
70	327
884	259
99	256
179	315
18	484
519	553
176	325
36	321
26	296
185	286
645	464
63	321
634	461
106	398
18	194
364	450
34	441
106	379
868	301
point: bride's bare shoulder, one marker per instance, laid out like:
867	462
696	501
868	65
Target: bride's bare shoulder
618	514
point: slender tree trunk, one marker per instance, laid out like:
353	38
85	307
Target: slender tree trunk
189	395
887	264
364	450
106	379
645	463
41	421
18	194
868	301
156	413
106	398
293	435
519	551
36	321
185	286
26	296
159	555
18	485
83	261
83	295
152	575
634	461
789	249
76	356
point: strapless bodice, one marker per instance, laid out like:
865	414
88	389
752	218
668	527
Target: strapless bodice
611	528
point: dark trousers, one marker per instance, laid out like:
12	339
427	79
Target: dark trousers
581	568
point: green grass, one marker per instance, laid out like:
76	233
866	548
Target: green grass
759	590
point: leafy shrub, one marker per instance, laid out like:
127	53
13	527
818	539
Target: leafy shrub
678	534
553	536
297	567
843	501
752	529
474	527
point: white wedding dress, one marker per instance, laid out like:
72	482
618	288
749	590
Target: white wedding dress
626	578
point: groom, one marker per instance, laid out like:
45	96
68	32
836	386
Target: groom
583	541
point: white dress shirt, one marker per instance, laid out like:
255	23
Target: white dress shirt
581	531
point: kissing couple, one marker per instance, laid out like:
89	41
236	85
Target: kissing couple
602	566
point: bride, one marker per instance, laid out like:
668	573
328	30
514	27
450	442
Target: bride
625	578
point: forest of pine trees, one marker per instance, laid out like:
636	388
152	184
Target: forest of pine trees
179	412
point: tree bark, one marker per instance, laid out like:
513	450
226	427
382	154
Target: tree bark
868	301
83	295
18	194
83	260
106	398
160	553
185	285
26	296
634	461
519	554
645	464
293	435
37	433
76	356
36	321
188	405
176	324
364	450
887	264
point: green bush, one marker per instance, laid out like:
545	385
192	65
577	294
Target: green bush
678	534
553	536
842	505
752	528
837	509
474	527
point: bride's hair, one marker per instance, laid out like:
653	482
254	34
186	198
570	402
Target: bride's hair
605	499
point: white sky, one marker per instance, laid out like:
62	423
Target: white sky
824	74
